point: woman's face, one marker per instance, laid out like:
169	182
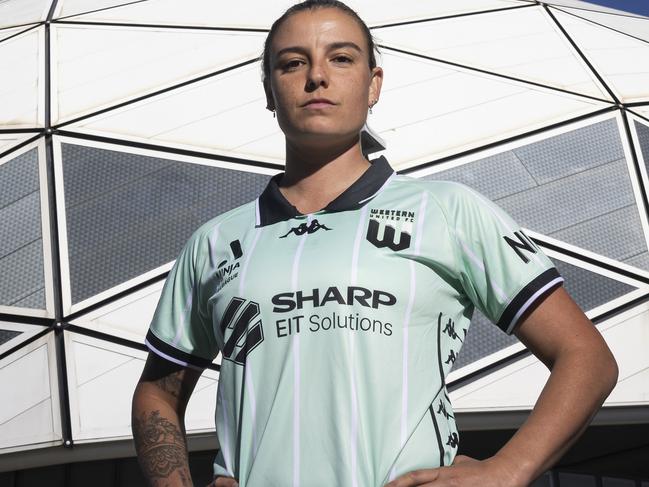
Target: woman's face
320	82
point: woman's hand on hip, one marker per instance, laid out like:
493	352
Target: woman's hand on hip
221	481
465	471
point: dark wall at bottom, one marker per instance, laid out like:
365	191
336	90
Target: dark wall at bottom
605	456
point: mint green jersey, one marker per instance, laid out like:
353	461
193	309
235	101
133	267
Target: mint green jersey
337	329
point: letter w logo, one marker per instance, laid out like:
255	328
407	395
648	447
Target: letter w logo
246	330
388	237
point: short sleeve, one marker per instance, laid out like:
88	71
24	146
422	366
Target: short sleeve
503	272
181	329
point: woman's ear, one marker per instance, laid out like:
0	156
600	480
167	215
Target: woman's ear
376	81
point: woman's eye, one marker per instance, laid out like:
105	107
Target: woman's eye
292	64
343	59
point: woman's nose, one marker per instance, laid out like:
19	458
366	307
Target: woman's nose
317	77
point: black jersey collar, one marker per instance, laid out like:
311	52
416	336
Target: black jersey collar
273	207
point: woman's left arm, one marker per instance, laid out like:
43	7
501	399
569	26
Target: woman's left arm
583	373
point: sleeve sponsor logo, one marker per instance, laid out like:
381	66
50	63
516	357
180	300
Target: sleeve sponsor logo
227	272
521	245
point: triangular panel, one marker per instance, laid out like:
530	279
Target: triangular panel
621	60
589	6
643	139
30	418
10	32
20	12
241	15
128	214
574	187
434	125
13	335
634	26
21	241
66	8
234	123
9	141
128	317
527	45
93	362
7	335
377	13
95	418
19	91
518	385
240	126
102	66
589	290
642	110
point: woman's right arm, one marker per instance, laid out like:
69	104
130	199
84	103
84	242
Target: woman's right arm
157	420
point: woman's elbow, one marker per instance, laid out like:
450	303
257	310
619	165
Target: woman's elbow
611	371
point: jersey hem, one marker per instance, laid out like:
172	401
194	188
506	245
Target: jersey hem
528	298
174	355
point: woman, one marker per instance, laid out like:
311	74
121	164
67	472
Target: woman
345	299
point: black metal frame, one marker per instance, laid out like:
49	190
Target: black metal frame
157	92
28	27
636	114
452	16
170	150
491	73
508	140
20	145
26	342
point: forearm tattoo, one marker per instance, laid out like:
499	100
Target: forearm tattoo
161	449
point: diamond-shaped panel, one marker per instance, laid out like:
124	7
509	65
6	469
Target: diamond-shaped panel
21	246
128	214
575	187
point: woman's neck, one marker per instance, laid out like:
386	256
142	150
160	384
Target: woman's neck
315	178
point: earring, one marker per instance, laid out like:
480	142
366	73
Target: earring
372	103
271	109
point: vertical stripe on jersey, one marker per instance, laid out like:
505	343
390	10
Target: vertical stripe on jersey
296	366
257	213
183	318
478	263
352	344
248	373
244	271
406	324
224	442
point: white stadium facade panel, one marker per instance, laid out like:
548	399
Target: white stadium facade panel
126	125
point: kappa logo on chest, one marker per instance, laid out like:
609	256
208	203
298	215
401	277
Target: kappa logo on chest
303	228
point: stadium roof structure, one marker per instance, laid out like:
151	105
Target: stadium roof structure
124	126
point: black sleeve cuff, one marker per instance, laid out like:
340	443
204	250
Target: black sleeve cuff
174	355
528	298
